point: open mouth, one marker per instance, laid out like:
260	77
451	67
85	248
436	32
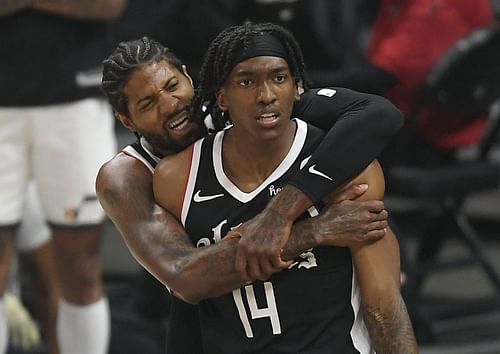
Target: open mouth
179	123
268	117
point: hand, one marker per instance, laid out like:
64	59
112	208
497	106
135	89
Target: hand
258	255
23	330
350	223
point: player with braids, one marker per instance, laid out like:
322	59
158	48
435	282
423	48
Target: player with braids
127	57
151	93
222	53
328	299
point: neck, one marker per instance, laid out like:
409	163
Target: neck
248	162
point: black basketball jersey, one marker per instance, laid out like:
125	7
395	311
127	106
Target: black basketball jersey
312	307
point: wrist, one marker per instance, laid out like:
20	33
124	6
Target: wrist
290	203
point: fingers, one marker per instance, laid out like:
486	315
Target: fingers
383	215
351	193
375	235
233	234
374	206
255	268
240	264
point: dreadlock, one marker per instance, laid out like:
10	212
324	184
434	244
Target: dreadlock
219	61
125	59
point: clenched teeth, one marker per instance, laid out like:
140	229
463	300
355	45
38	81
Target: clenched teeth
178	123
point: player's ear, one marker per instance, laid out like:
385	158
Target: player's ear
126	121
185	72
299	90
221	100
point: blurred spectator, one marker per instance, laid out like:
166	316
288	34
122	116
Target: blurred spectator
36	265
329	31
408	39
55	126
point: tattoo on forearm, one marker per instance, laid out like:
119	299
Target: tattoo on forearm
283	201
391	333
301	239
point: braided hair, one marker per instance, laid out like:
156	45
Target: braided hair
220	59
125	59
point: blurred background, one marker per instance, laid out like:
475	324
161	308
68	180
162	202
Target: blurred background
438	62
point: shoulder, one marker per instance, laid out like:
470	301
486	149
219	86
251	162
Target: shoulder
120	174
315	103
170	180
172	166
372	175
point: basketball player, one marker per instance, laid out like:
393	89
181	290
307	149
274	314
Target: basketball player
150	91
250	77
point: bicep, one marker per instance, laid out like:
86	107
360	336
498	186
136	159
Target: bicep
148	230
377	264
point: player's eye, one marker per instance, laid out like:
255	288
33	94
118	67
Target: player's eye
172	85
281	77
146	105
245	82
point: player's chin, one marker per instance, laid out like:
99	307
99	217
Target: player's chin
180	143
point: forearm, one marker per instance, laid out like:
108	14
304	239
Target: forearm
101	10
204	272
389	326
382	306
304	236
9	7
288	205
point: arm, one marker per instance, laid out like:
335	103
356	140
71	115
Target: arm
378	270
359	125
161	245
157	240
101	10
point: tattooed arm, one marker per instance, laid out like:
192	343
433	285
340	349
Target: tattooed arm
157	240
378	270
82	9
167	252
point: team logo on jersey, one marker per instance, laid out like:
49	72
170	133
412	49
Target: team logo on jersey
326	92
312	169
204	198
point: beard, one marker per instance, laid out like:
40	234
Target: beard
164	145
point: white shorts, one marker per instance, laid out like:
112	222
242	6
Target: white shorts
33	232
62	148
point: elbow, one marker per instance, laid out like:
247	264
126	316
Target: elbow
390	117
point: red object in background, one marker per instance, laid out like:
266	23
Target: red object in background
408	39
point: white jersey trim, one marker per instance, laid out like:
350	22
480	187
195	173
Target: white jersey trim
359	333
130	151
244	197
193	173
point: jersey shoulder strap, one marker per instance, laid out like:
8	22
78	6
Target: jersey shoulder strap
137	151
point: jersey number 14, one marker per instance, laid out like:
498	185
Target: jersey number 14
270	311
